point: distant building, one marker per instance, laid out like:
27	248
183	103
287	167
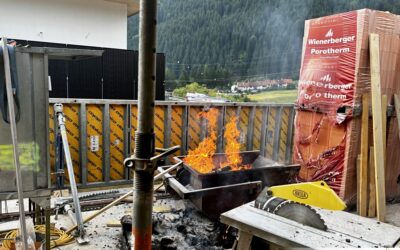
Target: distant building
98	23
197	97
259	85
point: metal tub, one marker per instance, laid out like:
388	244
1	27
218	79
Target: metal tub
217	192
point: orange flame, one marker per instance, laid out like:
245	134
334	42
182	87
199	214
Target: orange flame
201	158
232	146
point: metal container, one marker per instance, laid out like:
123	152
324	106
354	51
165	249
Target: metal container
216	201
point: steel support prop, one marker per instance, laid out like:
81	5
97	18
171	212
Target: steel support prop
58	109
144	137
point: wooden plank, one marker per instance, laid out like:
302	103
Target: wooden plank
377	125
384	126
358	165
372	188
113	223
363	176
273	246
244	241
397	107
285	232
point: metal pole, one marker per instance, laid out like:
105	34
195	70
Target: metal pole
144	136
58	110
14	137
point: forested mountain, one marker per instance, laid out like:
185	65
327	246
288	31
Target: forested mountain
217	42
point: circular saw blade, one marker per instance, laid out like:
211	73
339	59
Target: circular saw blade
300	213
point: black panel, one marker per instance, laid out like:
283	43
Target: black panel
160	77
58	75
85	78
133	68
118	80
113	76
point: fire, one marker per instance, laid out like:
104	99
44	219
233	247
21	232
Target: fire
232	146
201	158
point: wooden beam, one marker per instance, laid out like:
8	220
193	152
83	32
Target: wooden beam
384	127
358	165
372	188
377	125
363	176
244	241
397	107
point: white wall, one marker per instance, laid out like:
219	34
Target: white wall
82	22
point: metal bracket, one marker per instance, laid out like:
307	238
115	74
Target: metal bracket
149	164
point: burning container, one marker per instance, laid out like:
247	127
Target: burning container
223	189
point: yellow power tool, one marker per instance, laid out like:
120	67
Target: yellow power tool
295	202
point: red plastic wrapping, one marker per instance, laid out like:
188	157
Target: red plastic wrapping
329	57
333	77
320	148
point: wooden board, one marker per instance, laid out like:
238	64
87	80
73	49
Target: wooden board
113	223
363	176
384	127
344	229
397	107
358	183
371	188
244	241
377	124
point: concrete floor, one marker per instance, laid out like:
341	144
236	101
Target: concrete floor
393	214
103	237
99	235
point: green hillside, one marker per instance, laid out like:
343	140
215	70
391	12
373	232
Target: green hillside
275	96
217	42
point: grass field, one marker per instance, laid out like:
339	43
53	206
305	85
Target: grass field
275	96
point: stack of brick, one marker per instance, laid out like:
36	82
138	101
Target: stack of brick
333	77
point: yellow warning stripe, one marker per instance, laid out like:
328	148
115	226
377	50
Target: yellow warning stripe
134	118
243	126
270	132
176	126
194	128
71	112
159	126
52	148
229	113
257	128
283	134
117	170
95	129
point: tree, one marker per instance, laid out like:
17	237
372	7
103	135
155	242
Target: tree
246	38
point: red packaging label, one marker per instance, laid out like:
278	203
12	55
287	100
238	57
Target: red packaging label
328	71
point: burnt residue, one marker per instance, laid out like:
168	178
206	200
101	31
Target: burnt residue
184	228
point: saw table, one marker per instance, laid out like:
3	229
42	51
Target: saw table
344	230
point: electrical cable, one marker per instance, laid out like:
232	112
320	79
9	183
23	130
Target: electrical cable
62	237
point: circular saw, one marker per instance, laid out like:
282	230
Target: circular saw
295	201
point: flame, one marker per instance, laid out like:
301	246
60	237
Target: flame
232	146
201	158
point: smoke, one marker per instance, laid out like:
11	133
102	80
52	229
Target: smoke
224	41
279	33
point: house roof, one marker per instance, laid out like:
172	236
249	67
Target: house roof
133	5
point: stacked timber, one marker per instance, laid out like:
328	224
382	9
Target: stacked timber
334	75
